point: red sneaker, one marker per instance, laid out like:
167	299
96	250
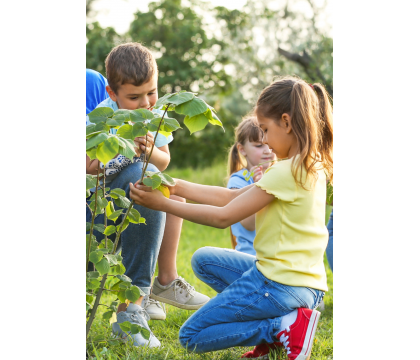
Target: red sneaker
261	351
298	337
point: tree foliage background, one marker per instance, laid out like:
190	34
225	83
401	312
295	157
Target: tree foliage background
227	56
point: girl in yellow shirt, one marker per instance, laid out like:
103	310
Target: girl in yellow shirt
267	299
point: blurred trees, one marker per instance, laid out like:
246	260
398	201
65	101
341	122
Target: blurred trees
228	56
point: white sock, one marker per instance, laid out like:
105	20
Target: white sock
288	319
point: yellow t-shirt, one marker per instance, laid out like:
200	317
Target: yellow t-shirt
291	233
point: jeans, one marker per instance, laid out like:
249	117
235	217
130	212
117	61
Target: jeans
139	243
249	307
329	249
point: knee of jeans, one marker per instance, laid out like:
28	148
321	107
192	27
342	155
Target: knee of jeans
197	259
183	337
152	167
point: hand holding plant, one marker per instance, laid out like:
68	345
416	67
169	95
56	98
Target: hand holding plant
257	170
144	144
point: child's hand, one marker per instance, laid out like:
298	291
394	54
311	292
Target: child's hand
140	144
145	196
258	173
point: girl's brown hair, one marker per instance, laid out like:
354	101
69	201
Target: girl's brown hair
310	111
246	130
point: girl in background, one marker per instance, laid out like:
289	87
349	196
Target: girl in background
247	145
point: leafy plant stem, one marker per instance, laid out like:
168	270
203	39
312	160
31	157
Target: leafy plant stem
117	237
95	305
154	141
93	219
105	219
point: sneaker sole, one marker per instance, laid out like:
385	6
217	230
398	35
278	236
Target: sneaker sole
305	353
157	317
176	304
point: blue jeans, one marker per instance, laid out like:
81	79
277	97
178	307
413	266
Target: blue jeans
329	249
249	307
139	243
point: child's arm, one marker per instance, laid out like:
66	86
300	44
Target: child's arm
160	156
241	207
205	194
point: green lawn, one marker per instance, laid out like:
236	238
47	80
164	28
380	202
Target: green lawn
194	237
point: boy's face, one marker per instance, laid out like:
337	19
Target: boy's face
131	97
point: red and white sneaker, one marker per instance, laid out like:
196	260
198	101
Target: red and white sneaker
261	351
299	337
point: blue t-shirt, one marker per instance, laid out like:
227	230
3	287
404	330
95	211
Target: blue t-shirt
95	89
244	237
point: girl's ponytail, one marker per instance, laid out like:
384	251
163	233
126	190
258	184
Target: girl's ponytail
325	114
234	160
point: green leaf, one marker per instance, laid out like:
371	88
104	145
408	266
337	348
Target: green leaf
88	306
125	326
88	193
139	129
96	140
134	216
124	278
114	216
213	119
109	209
128	151
117	269
122	202
92	284
103	266
153	181
135	329
117	120
192	108
167	180
107	150
107	315
145	333
92	275
126	132
180	98
140	115
91	153
99	227
100	114
196	123
102	203
96	256
109	230
162	101
124	226
90	129
118	192
133	293
90	181
167	125
123	113
102	127
102	245
112	259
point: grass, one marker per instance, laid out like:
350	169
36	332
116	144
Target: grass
193	237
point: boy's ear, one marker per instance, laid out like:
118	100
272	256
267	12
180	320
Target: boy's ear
285	119
241	149
111	93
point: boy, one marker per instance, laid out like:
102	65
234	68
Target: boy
132	77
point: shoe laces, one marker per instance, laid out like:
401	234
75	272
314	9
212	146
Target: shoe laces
150	301
140	312
183	285
283	339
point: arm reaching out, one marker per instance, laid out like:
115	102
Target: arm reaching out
241	207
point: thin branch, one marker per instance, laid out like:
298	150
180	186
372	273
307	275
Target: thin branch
93	219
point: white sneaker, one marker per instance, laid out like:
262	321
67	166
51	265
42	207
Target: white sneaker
154	308
178	293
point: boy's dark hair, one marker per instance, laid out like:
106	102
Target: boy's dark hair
129	63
